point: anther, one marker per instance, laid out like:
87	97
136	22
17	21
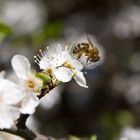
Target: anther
36	58
36	62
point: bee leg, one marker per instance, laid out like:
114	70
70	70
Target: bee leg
92	65
87	60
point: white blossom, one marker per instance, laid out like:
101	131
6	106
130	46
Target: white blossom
59	63
28	83
15	14
130	133
10	96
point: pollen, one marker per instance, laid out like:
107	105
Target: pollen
30	84
49	71
68	65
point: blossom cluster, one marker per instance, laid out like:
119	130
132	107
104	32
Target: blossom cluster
57	65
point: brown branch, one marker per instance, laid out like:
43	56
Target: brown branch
21	122
46	90
25	133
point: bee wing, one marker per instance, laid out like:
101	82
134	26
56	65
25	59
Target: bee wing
89	41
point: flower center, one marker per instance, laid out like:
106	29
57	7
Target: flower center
30	84
49	71
68	65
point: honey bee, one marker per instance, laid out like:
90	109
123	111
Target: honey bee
87	49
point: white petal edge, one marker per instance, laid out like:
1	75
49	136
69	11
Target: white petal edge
8	116
80	79
21	66
63	74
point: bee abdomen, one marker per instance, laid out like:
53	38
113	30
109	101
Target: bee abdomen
80	46
77	48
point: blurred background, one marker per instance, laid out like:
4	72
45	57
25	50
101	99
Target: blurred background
110	108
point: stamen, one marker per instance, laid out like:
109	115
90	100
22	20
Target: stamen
36	62
48	49
68	65
36	58
39	56
30	84
66	47
41	52
49	71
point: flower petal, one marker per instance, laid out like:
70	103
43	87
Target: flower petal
76	64
8	116
83	60
14	112
21	66
43	63
63	74
29	104
5	120
60	59
11	93
2	73
80	79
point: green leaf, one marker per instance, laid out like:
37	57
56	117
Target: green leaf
46	78
51	30
73	138
93	137
125	118
4	31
